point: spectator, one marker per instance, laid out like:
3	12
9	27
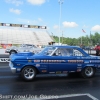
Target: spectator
97	48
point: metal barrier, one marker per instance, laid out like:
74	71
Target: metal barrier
90	51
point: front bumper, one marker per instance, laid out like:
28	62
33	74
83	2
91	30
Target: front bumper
12	68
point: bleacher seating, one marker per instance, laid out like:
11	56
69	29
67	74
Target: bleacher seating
18	36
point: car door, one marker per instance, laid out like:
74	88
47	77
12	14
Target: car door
62	60
74	60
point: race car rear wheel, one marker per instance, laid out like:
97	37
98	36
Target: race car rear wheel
28	73
88	72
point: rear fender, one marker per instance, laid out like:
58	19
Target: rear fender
89	65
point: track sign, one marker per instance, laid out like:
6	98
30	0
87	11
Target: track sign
4	59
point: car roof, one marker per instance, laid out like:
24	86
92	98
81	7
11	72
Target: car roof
61	46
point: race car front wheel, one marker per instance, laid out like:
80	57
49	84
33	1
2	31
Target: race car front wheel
88	72
28	73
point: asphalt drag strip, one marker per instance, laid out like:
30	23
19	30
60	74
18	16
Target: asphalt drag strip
73	87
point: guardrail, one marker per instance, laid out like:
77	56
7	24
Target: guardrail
90	51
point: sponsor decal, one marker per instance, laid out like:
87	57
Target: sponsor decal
44	71
78	70
45	61
65	72
18	64
36	60
49	61
37	65
63	60
58	72
51	72
52	61
29	60
75	61
94	61
42	61
79	64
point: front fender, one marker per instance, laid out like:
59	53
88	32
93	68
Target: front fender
32	65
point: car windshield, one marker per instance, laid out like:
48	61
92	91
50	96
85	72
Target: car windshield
47	51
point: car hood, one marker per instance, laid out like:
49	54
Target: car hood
22	55
25	55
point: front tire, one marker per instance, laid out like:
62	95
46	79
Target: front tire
88	72
28	73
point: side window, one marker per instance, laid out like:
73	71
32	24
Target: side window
69	52
57	52
63	52
77	53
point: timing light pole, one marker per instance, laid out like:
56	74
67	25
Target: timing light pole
60	2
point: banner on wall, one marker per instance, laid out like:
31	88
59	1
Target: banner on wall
23	25
4	59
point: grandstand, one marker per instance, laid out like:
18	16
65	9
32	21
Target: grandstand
19	36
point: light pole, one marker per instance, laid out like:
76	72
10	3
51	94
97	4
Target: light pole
60	3
62	37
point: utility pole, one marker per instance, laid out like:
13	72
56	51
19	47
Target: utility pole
62	37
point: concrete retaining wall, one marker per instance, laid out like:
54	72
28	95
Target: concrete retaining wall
2	51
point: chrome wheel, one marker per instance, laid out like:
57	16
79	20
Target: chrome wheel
89	71
28	73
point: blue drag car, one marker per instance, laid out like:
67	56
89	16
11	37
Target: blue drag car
54	60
